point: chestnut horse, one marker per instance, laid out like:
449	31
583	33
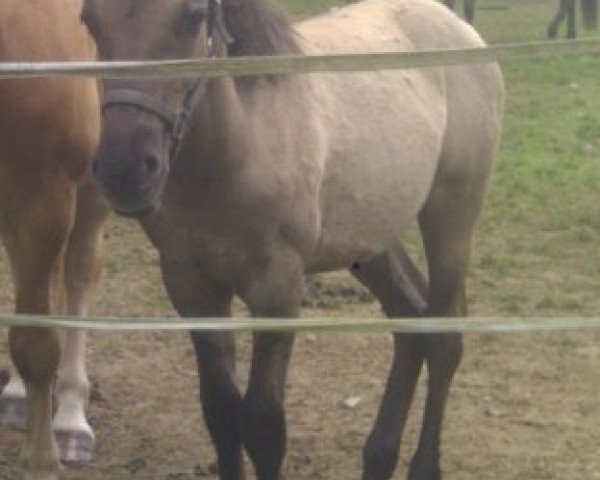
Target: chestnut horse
566	9
245	185
51	219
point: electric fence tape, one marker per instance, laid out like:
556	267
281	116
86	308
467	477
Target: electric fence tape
294	64
402	325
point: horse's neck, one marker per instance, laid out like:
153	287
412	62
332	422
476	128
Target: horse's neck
219	135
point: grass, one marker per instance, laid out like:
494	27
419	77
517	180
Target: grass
539	239
538	243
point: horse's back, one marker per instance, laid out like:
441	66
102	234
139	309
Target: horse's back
391	132
49	115
373	25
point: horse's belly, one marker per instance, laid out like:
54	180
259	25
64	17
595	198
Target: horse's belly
385	136
368	201
376	180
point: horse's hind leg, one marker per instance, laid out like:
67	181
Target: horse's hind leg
402	291
446	223
82	268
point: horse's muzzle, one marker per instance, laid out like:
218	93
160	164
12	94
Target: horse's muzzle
131	163
133	188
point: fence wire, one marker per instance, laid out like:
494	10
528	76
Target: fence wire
295	64
331	324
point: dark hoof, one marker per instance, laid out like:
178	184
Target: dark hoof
13	412
75	446
424	472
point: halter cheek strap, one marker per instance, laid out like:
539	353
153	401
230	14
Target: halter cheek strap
177	120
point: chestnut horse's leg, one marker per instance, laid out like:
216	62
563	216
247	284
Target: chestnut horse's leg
73	433
564	7
35	247
82	268
402	291
36	354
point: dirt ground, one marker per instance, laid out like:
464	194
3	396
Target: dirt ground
522	406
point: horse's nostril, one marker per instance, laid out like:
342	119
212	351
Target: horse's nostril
95	167
151	164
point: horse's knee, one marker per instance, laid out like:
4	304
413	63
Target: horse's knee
35	353
444	354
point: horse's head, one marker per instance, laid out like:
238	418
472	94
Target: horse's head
144	121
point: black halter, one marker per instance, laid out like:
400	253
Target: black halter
178	120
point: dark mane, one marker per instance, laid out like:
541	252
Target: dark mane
259	27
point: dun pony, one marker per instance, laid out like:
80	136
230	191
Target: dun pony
246	185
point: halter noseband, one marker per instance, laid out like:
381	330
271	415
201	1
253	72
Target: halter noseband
178	120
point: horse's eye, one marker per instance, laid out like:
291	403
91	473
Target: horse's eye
193	17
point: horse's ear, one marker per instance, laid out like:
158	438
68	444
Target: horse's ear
193	15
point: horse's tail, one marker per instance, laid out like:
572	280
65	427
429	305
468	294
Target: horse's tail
589	11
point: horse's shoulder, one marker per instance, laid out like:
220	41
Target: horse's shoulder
63	112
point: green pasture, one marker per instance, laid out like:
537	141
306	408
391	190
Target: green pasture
538	245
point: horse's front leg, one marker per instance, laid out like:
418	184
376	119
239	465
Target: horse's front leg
35	248
82	269
36	354
221	399
192	295
263	418
276	294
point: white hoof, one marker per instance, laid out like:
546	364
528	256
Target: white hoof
75	446
42	476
